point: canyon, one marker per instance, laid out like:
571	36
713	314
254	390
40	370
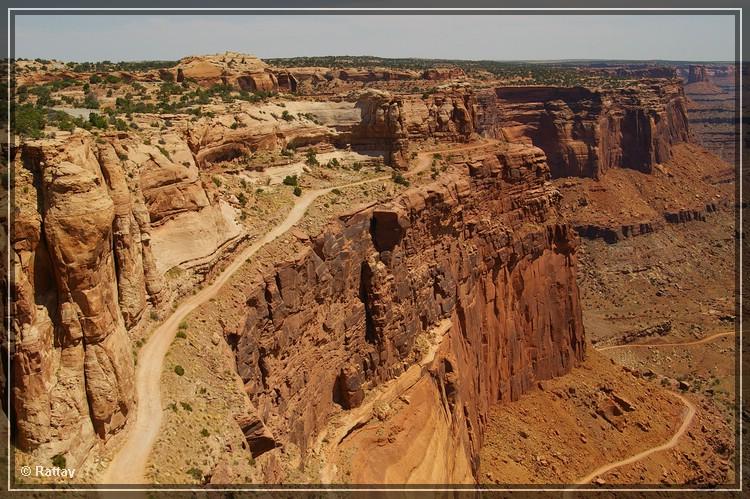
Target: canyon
344	270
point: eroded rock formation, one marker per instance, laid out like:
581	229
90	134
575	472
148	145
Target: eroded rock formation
85	274
239	70
697	74
584	132
484	248
391	123
73	369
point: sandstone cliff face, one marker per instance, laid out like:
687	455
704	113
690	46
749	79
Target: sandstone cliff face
73	370
245	131
390	123
86	273
584	132
483	248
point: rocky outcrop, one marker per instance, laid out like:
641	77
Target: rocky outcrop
246	131
684	215
697	73
72	365
391	123
585	131
242	71
582	131
364	75
484	248
613	234
443	74
85	274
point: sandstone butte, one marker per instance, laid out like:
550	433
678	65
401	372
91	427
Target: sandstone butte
484	247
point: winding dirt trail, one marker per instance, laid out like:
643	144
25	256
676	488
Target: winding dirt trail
688	418
689	415
676	344
129	464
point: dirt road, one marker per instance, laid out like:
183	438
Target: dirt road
128	465
689	415
676	344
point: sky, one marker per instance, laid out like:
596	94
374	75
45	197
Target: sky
478	37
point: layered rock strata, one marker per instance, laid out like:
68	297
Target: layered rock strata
483	247
390	124
584	131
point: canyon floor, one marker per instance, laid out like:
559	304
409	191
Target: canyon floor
659	311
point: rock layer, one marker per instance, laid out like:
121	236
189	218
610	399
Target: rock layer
391	123
484	248
584	132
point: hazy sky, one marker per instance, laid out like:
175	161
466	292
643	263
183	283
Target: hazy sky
495	37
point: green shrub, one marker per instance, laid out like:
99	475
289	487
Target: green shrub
90	101
186	406
178	370
59	461
181	335
311	159
204	432
297	191
98	121
286	116
195	473
164	152
29	121
400	179
183	325
291	180
216	180
95	79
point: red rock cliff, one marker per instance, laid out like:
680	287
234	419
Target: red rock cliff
584	132
484	248
391	123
